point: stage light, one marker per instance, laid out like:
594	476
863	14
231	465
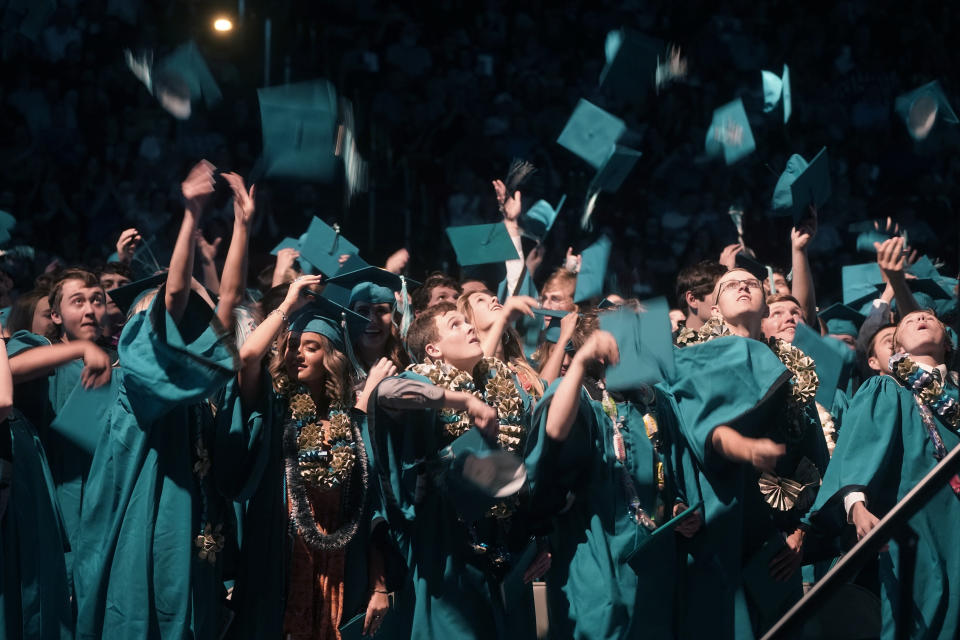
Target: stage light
222	25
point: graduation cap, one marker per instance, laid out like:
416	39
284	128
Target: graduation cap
7	223
922	108
323	245
593	270
834	361
592	133
866	240
730	133
861	283
331	320
553	317
126	296
537	221
775	89
178	81
644	340
632	62
482	244
802	185
375	286
478	475
299	124
761	271
842	320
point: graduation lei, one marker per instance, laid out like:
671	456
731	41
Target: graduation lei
491	381
324	458
931	397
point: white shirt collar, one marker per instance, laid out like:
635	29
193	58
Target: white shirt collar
942	368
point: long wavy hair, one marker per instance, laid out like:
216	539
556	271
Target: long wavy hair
337	385
512	346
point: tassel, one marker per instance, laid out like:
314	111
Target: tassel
519	171
773	287
406	317
348	345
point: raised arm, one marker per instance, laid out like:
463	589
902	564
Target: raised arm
513	308
234	278
259	341
550	370
40	361
196	190
891	259
802	287
6	384
600	347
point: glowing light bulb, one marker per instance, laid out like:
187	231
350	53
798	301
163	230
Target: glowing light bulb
222	25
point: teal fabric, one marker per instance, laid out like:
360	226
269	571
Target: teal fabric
260	592
454	595
740	383
885	451
592	589
138	573
40	401
34	591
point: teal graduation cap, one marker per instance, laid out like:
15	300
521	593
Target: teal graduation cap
125	297
776	89
801	185
923	107
7	223
644	341
537	221
323	245
482	244
331	320
373	285
299	126
592	133
182	79
632	63
730	134
842	320
593	270
861	283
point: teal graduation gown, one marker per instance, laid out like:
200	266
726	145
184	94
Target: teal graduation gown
454	594
149	494
34	595
609	578
740	383
884	451
260	592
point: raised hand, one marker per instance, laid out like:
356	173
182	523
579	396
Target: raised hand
573	261
890	256
243	199
510	204
208	250
198	186
517	306
127	245
728	257
801	236
296	296
397	261
600	347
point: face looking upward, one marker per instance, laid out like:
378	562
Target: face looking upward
738	296
457	343
484	310
920	333
442	294
559	298
782	320
81	311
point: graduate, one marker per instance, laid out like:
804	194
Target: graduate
310	557
153	524
747	411
896	429
614	453
492	321
470	562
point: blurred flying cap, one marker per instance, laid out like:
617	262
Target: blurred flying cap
934	288
372	284
632	62
482	244
866	240
593	270
553	317
126	296
299	123
478	475
730	133
592	133
775	89
924	268
842	320
745	262
646	349
517	174
922	108
182	79
832	361
861	283
614	171
323	245
7	223
802	185
537	221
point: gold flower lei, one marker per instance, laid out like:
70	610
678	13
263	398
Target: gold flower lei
803	385
499	391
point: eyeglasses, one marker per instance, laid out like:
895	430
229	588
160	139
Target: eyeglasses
733	285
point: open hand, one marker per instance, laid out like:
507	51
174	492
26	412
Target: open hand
198	186
243	199
127	245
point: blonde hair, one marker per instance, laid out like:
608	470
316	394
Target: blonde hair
337	385
510	341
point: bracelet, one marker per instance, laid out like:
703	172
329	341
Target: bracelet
282	314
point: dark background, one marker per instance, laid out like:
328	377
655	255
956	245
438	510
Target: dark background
87	152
